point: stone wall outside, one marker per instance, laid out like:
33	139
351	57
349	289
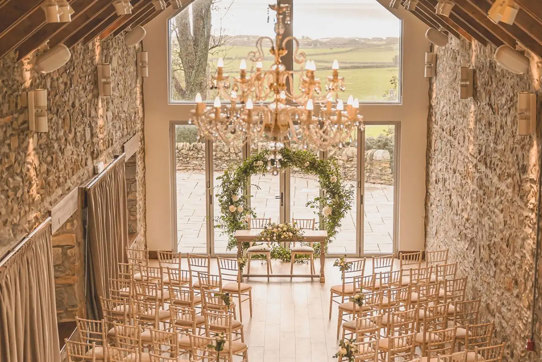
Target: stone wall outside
39	169
482	189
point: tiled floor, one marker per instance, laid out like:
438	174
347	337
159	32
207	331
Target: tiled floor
191	215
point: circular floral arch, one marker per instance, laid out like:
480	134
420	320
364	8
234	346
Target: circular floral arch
331	206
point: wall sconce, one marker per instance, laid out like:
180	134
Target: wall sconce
57	11
134	36
394	4
143	64
526	113
53	59
430	65
444	7
466	83
66	11
122	7
159	5
503	11
511	60
105	88
37	110
176	4
436	37
411	4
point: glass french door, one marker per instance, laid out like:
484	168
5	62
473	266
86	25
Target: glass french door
368	165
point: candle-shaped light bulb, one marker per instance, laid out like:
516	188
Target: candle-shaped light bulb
340	105
217	103
233	94
309	106
350	100
283	95
220	63
259	65
198	98
243	65
310	65
249	104
335	65
356	103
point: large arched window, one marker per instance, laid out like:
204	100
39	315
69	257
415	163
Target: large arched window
361	34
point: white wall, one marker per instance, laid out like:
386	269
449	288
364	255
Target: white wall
412	114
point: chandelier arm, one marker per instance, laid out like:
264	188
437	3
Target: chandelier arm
299	56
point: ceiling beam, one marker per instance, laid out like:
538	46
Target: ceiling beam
430	12
107	15
50	30
13	12
147	9
138	5
532	7
22	31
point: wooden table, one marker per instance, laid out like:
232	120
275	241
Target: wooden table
315	236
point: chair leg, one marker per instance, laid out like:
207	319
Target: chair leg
240	308
248	262
312	266
250	301
270	265
292	259
339	322
330	303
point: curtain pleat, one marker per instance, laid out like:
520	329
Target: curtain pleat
28	321
107	233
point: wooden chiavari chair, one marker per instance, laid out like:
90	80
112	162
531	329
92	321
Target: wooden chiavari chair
120	354
387	279
424	294
454	357
120	288
93	332
137	256
184	296
360	283
211	300
198	264
399	337
125	271
185	318
303	224
442	343
202	349
465	313
436	257
444	272
132	337
168	258
346	288
396	297
413	276
453	291
382	263
362	326
410	259
150	290
117	310
80	351
165	346
208	281
490	353
367	351
178	276
220	322
150	313
144	272
262	249
230	280
478	335
433	318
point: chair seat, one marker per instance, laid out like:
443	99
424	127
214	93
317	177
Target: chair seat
405	280
188	323
235	347
259	249
142	357
383	343
302	249
162	314
471	356
460	332
349	307
98	353
235	324
426	359
121	309
429	337
365	324
338	289
234	287
386	319
197	300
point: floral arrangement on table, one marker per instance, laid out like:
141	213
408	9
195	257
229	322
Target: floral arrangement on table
330	207
347	349
281	232
342	264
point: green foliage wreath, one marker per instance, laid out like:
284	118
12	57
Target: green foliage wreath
330	208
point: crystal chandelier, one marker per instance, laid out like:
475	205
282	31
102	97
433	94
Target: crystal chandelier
263	106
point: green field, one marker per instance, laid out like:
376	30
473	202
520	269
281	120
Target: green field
367	70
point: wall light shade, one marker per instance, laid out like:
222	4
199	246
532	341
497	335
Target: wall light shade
37	110
105	88
122	7
466	83
430	65
444	7
504	11
411	4
143	64
66	11
527	104
134	36
51	10
53	59
511	60
436	37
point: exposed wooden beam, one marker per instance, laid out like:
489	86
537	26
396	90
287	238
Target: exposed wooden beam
138	5
147	9
512	30
22	31
430	12
50	30
80	23
98	29
532	7
93	27
13	12
529	24
459	13
484	21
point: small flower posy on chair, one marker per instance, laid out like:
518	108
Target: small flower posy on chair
346	350
219	346
358	299
226	298
342	264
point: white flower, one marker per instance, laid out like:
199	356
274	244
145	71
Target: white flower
232	208
333	179
235	197
307	164
342	351
327	210
240	208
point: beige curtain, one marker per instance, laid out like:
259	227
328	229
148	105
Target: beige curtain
28	324
107	232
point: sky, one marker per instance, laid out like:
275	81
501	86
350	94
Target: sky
313	18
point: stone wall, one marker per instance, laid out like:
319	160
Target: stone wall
481	189
39	169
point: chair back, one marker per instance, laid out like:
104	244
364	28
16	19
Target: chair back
423	294
402	344
148	290
164	344
258	222
183	318
382	263
198	263
304	224
366	351
434	317
388	278
454	290
446	271
364	282
80	351
137	256
209	281
356	269
229	271
408	259
127	336
402	322
91	331
125	271
202	348
442	342
490	353
146	272
436	257
219	322
178	276
181	295
478	335
120	354
211	300
168	258
453	357
368	327
466	312
147	311
120	288
116	309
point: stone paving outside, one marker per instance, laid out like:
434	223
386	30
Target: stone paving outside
191	214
